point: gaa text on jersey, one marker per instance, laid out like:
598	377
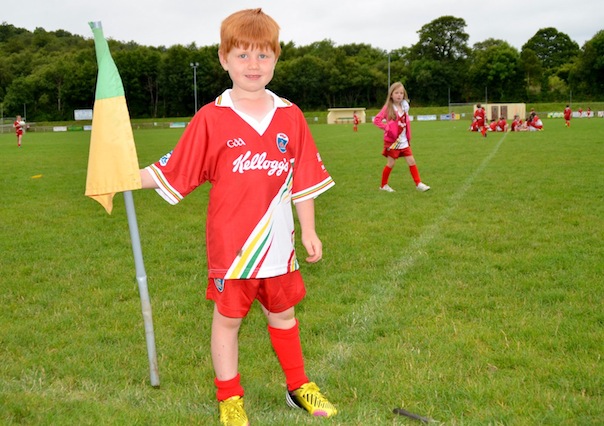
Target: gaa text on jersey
234	143
246	162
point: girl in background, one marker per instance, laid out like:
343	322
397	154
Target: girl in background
393	119
19	124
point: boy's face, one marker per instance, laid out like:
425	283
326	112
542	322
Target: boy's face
250	69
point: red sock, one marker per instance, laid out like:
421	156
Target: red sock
228	388
288	348
415	174
386	175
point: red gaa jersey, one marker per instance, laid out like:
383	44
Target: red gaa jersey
480	116
18	128
256	169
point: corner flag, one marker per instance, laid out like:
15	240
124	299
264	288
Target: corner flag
113	167
112	160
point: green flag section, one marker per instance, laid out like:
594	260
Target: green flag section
112	160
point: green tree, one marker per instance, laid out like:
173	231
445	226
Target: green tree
323	49
439	60
288	51
587	77
8	32
553	48
353	75
54	72
19	94
495	65
80	87
557	87
443	39
532	73
139	70
302	80
176	82
212	79
430	82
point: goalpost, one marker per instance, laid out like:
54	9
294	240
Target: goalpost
464	110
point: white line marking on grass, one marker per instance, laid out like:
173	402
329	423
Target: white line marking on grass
432	230
361	319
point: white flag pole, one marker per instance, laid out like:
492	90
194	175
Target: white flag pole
141	278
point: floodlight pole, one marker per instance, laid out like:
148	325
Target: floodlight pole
194	65
388	70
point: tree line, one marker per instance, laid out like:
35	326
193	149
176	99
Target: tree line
52	73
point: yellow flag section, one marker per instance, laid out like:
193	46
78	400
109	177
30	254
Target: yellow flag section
112	160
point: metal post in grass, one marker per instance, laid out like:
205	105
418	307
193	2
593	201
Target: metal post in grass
113	167
194	65
141	278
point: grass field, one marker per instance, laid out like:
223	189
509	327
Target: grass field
479	302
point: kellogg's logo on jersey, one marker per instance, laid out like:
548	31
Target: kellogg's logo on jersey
282	141
248	162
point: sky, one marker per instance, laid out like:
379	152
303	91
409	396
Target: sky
383	24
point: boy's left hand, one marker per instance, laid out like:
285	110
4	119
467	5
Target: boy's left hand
313	247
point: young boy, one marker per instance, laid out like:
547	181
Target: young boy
516	123
480	117
502	124
258	154
567	115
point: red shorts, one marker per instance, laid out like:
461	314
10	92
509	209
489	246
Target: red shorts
19	132
397	153
234	298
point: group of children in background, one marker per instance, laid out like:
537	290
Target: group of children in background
532	123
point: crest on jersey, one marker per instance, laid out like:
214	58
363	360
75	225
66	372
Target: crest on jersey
219	283
164	160
282	141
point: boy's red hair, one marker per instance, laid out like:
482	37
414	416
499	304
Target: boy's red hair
249	28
